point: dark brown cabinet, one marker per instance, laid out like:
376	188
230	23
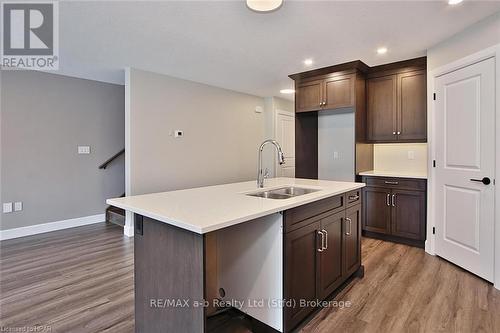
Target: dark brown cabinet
301	248
338	92
330	255
325	93
395	209
381	108
309	96
412	105
408	214
397	107
322	250
351	241
377	210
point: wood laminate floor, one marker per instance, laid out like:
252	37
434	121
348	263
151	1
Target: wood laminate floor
81	280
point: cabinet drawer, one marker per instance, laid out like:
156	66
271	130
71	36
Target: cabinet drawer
401	183
353	198
298	217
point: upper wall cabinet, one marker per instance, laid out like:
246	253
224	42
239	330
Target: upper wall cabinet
397	107
328	93
309	96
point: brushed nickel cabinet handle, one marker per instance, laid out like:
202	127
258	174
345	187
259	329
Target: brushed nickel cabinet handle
391	182
353	197
350	226
393	200
387	199
322	241
394	133
399	132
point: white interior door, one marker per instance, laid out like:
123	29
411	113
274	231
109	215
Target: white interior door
465	155
285	135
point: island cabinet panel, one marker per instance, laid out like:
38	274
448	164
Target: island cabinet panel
351	241
168	263
330	257
321	252
301	264
395	209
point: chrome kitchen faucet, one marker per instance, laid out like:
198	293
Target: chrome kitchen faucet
281	160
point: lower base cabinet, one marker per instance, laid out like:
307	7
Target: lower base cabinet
395	209
320	255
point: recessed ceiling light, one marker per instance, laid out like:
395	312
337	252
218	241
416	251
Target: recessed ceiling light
263	6
454	2
287	91
308	62
382	50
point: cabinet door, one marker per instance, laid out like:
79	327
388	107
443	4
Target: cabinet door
301	265
377	210
412	106
309	96
339	92
330	259
351	234
381	108
408	214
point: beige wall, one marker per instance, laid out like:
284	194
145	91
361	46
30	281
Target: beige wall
222	133
44	117
475	38
394	157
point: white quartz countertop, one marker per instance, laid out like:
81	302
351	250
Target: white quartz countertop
210	208
397	174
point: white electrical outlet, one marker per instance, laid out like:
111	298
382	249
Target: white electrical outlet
84	150
335	155
18	206
411	155
7	207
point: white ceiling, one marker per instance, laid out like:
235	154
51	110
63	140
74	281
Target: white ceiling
224	44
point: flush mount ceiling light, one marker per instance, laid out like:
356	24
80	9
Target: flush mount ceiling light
454	2
287	91
382	50
263	6
308	62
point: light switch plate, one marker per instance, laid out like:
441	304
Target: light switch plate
335	155
18	206
83	149
7	207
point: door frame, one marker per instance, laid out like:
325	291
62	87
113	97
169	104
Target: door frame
491	52
275	129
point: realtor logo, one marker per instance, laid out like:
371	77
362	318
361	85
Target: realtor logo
30	37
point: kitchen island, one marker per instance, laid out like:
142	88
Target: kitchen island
273	253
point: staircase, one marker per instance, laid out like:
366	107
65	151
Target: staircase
113	214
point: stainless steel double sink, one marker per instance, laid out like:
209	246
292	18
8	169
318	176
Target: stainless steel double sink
283	192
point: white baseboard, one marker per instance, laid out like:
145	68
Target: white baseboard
52	226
